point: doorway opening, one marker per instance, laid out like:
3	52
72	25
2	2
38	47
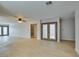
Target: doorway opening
33	31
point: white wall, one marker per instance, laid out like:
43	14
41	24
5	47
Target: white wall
68	29
50	19
77	30
18	30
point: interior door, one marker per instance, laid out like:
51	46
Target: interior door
49	31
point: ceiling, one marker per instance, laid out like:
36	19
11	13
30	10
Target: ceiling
37	9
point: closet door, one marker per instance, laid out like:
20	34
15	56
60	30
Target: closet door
52	31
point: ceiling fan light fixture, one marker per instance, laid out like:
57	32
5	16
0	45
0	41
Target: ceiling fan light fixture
19	20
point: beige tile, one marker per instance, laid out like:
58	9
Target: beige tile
19	47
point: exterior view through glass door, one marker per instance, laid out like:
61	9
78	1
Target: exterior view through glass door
49	31
45	32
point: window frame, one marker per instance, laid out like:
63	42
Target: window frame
2	33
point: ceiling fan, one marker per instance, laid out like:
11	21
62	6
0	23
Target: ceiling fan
20	19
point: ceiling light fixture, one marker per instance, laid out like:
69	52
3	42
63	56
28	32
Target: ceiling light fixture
20	20
49	3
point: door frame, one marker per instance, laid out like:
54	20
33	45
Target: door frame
48	23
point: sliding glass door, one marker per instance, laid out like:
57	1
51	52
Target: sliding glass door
49	31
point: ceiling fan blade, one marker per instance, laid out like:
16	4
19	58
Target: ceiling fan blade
15	16
24	20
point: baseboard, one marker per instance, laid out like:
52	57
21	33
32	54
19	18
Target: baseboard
36	38
15	37
67	40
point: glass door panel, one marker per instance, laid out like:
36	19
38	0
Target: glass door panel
45	31
52	31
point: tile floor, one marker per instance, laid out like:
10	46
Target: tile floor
18	47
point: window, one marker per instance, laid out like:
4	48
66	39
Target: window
4	30
0	30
